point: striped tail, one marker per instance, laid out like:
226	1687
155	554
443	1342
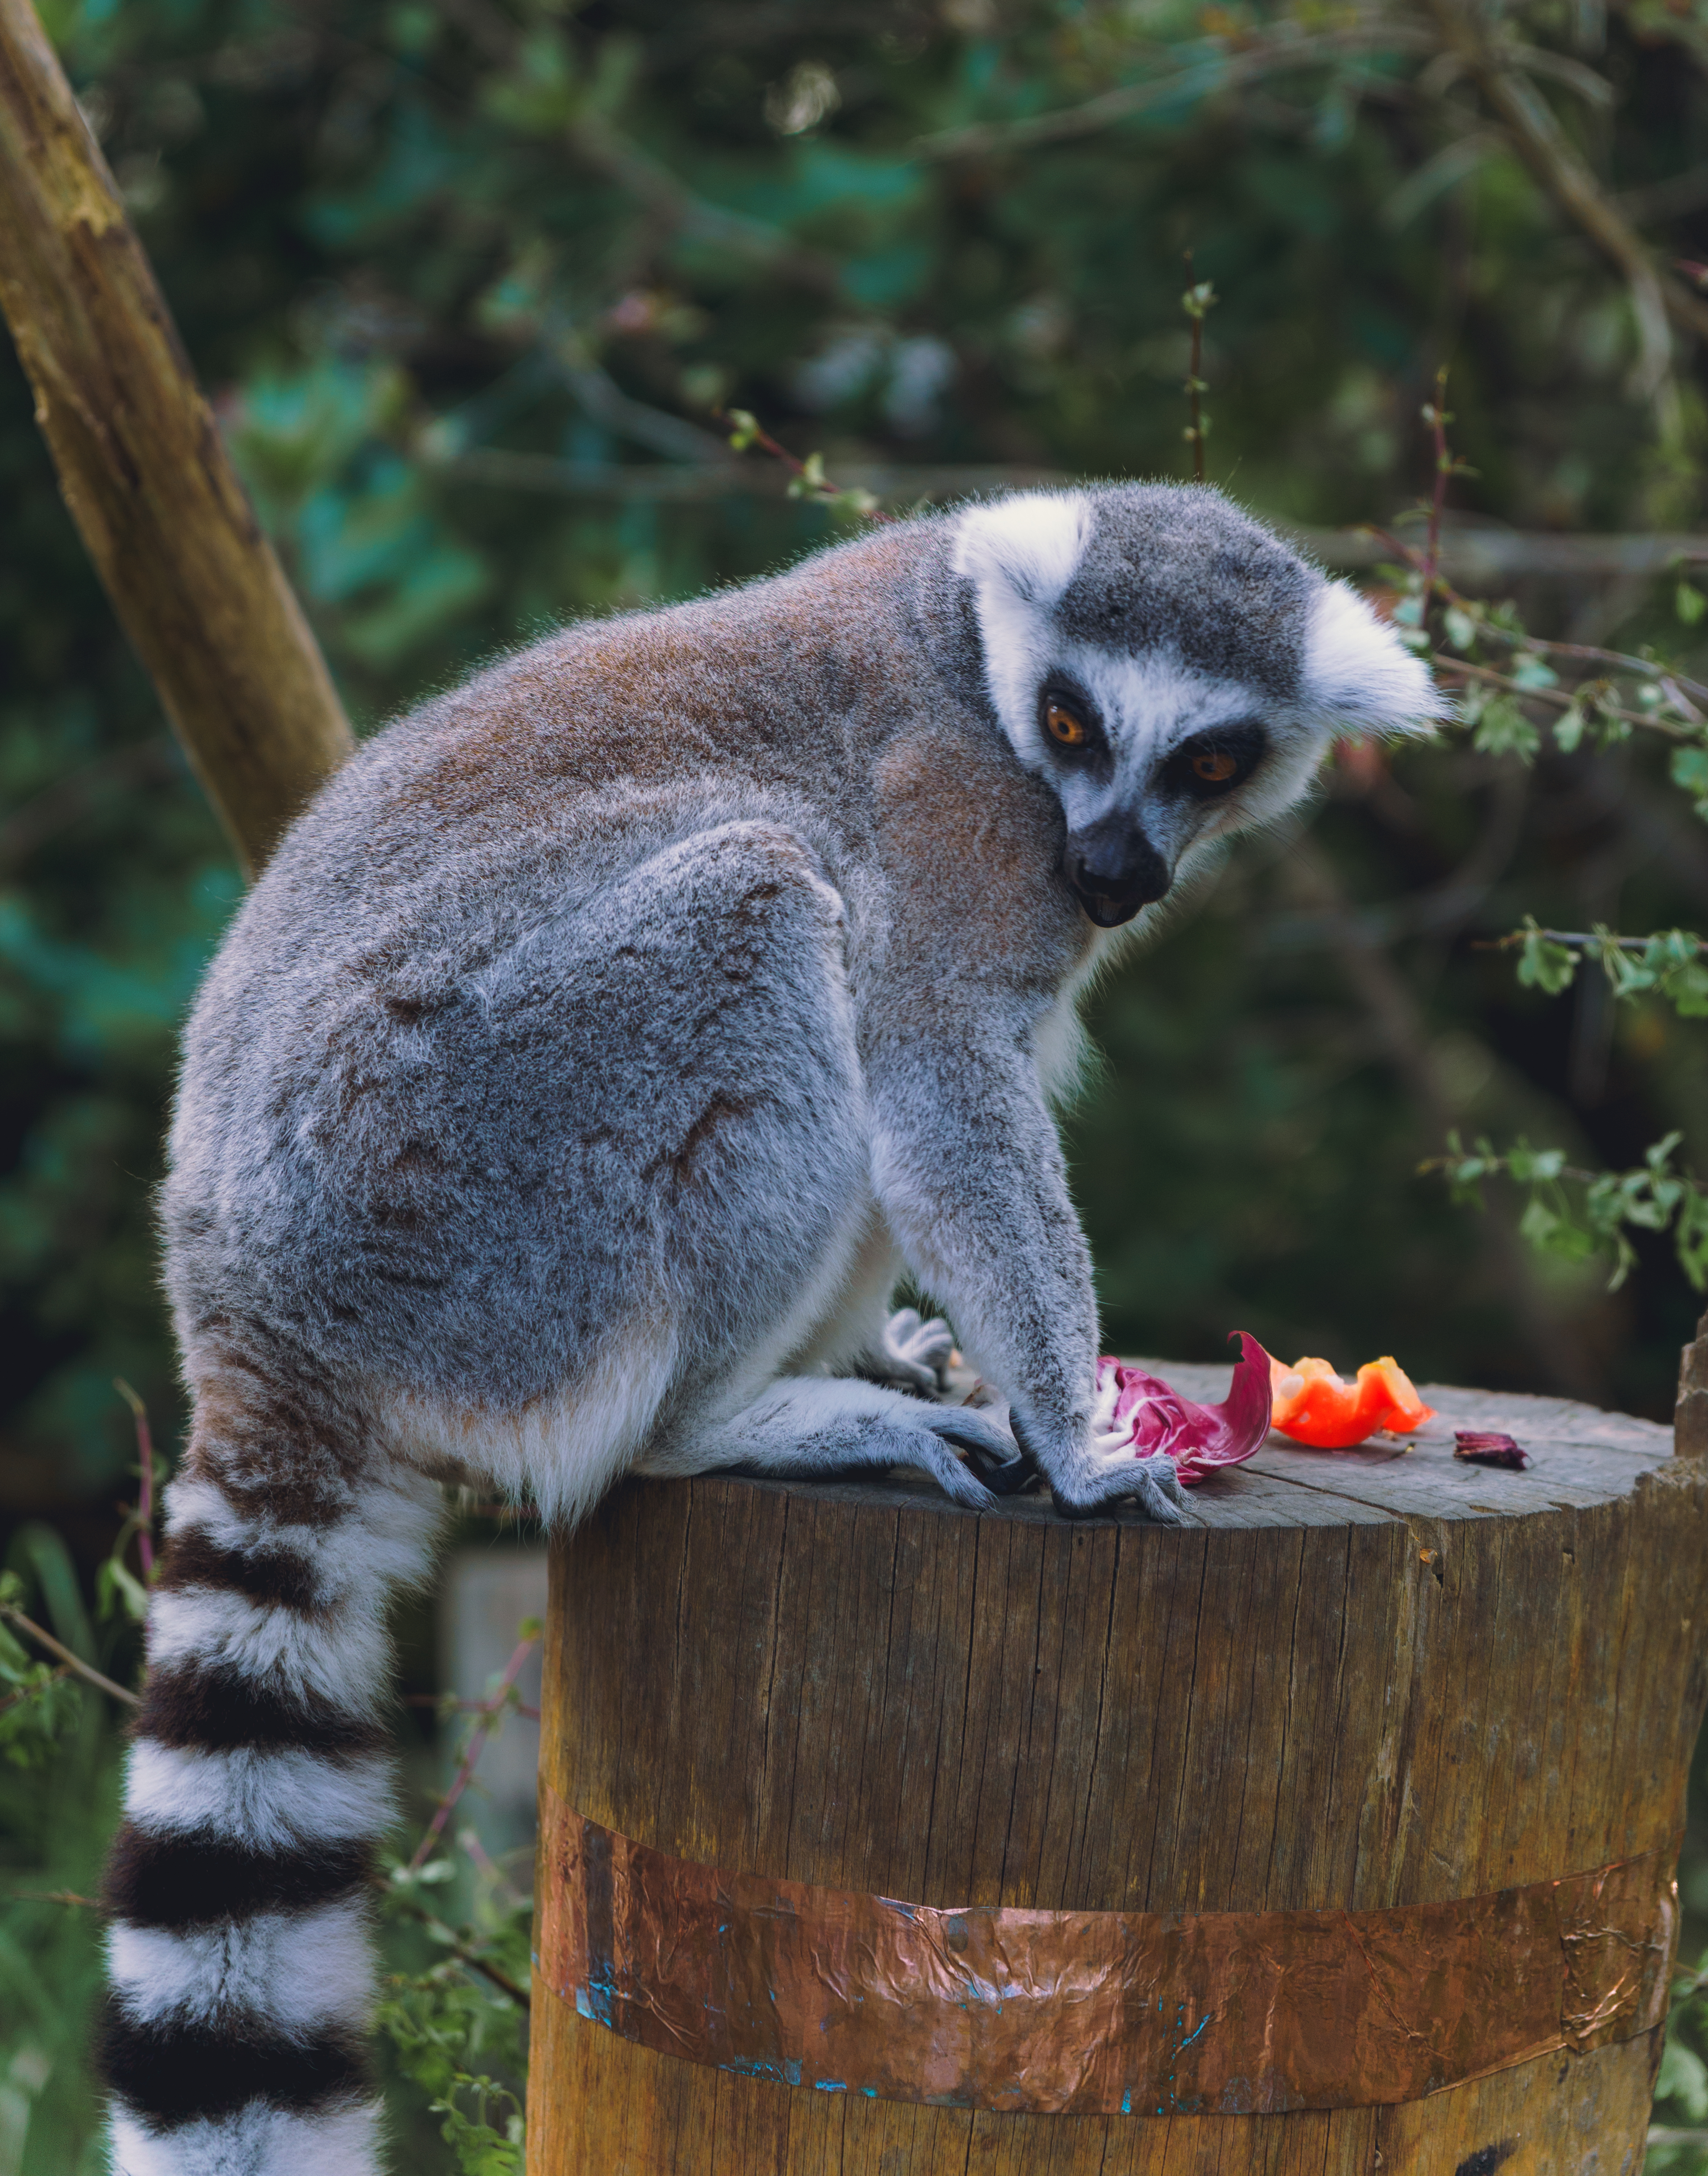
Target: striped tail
240	1957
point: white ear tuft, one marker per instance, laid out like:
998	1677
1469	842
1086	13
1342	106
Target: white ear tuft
1357	668
1033	543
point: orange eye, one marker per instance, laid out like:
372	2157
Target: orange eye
1065	728
1215	769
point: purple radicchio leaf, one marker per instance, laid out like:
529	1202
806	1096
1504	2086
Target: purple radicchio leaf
1137	1410
1485	1447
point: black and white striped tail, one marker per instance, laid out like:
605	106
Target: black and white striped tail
240	1959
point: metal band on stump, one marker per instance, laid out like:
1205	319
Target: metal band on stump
1095	2013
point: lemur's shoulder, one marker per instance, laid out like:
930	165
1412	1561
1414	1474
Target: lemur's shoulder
754	681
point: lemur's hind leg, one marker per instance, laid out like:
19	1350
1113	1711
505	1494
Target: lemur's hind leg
258	1786
813	1427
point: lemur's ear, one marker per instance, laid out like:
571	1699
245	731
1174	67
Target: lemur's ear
1358	669
1030	544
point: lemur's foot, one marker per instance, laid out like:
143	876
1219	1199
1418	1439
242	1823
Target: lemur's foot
994	1464
1152	1483
913	1354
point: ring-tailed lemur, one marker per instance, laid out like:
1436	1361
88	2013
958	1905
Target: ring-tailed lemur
567	1099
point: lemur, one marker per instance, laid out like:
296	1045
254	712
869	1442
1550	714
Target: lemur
571	1093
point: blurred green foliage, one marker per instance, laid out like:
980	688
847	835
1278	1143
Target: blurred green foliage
467	281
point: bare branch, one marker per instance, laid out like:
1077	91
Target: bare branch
1219	70
1561	697
460	1950
606	150
1539	140
490	1710
63	1654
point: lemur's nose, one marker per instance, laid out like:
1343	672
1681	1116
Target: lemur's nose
1114	870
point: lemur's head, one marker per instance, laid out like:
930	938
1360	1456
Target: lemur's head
1173	669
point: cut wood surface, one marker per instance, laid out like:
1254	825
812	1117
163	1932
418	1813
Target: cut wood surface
143	468
1358	1679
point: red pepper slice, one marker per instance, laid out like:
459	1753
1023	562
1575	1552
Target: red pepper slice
1313	1406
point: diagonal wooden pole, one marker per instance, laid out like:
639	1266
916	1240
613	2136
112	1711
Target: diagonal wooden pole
143	468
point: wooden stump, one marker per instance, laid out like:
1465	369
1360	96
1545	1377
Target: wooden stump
1406	1695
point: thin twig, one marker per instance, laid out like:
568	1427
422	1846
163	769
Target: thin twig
29	1692
1435	414
1217	71
1622	660
489	1709
85	1670
1545	148
463	1706
1198	301
1588	940
820	486
55	1897
145	1495
458	1948
1561	697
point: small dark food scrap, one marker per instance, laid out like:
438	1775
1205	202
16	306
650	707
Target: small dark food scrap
1489	1449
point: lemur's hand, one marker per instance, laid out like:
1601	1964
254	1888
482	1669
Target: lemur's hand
913	1354
1089	1480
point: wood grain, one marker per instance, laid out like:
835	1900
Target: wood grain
1362	1681
144	470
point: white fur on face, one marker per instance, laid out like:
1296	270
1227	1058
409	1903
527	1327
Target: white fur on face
1359	672
1021	556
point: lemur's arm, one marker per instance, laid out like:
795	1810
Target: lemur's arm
968	1173
963	950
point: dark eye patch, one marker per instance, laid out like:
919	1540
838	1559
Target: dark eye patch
1064	709
1213	763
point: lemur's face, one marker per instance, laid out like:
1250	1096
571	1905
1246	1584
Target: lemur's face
1172	668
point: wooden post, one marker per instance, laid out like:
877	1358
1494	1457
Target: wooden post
1690	1418
1431	1721
143	468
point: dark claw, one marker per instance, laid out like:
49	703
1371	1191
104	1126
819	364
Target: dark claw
1003	1476
1108	1507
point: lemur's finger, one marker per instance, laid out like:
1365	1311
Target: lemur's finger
931	1341
1152	1483
1012	1477
1160	1496
971	1431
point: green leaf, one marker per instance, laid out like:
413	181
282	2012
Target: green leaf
1546	966
1531	671
116	1588
1503	729
1690	1236
1684	2079
1688	602
1567	728
1460	628
1529	1167
1687	987
1689	770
